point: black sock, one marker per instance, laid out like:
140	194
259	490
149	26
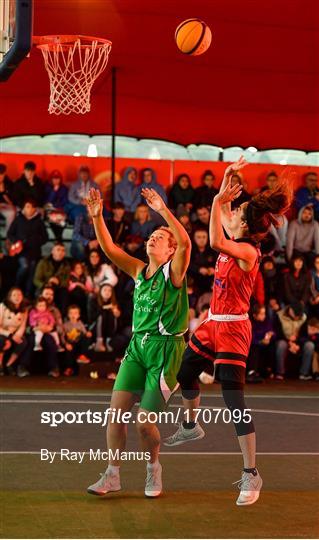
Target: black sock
252	471
189	425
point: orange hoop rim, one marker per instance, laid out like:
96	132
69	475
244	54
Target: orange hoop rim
67	41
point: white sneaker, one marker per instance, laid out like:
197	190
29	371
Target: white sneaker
153	486
107	483
38	348
305	377
99	345
183	435
250	487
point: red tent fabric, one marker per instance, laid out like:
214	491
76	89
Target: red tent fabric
257	85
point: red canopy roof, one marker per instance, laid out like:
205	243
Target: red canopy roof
257	85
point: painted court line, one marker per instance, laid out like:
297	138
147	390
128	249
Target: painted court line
205	395
34	453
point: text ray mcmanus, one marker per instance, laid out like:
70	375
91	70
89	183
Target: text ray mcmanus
64	454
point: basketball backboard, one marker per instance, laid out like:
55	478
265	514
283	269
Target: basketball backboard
16	17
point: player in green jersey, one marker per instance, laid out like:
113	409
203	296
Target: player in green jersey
153	357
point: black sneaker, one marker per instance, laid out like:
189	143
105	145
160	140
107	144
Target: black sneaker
253	377
54	373
23	372
1	371
11	370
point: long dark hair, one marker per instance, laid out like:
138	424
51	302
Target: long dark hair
11	306
263	209
94	270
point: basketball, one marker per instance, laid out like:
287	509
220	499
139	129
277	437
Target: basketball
193	37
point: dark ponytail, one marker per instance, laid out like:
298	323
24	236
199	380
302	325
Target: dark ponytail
265	208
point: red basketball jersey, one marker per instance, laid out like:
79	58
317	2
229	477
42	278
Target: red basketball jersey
232	286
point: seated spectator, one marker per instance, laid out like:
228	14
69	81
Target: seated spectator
83	237
56	200
184	218
290	340
244	196
279	233
28	233
76	340
79	287
313	333
262	346
303	236
40	315
48	343
203	259
97	272
29	186
314	288
78	192
204	194
118	225
309	193
54	270
297	282
13	322
202	218
107	315
127	192
182	194
142	225
7	208
271	181
149	181
272	284
48	293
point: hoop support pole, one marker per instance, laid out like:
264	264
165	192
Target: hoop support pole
113	132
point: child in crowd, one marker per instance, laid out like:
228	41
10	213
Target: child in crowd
40	316
76	339
108	314
262	346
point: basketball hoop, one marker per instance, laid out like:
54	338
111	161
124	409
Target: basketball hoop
73	64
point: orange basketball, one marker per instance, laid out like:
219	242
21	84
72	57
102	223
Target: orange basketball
193	37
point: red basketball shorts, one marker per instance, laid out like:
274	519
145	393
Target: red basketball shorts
223	342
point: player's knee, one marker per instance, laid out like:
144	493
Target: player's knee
233	394
188	383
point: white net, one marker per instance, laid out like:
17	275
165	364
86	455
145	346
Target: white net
72	70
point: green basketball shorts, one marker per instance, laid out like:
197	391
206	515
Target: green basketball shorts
149	369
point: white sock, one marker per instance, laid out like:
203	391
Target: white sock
113	469
153	465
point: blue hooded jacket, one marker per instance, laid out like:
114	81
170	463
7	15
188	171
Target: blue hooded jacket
127	192
153	185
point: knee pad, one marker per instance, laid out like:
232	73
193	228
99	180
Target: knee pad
233	394
189	385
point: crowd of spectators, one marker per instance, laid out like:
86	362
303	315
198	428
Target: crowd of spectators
71	306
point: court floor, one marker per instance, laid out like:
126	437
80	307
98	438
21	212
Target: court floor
43	500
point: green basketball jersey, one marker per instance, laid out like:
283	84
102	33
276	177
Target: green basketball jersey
160	308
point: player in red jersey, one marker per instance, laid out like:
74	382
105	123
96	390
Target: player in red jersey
223	339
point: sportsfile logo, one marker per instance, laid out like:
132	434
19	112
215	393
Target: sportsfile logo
116	416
